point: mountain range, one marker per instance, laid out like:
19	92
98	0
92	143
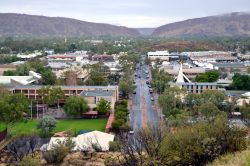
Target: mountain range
233	24
22	25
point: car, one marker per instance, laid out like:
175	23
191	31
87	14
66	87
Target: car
147	82
146	72
152	99
139	76
131	132
149	86
150	91
147	77
134	92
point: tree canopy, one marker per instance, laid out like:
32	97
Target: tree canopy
75	106
240	82
103	106
13	107
209	76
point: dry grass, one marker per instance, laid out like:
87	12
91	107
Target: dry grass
237	159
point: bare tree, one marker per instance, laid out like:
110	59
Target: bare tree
142	148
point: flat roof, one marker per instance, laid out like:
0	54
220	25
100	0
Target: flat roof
64	86
230	65
96	93
196	83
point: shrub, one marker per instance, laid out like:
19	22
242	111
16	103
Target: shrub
113	146
29	161
57	154
47	125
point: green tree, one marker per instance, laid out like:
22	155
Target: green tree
126	87
48	77
245	113
75	106
240	82
209	110
160	80
9	73
103	106
45	92
214	96
98	75
209	76
56	94
47	124
171	101
23	70
13	107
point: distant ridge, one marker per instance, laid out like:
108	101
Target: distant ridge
232	24
23	25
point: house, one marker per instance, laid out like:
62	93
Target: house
93	97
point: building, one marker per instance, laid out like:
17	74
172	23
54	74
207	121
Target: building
81	73
182	81
190	72
70	57
91	93
103	58
162	55
94	96
29	56
33	78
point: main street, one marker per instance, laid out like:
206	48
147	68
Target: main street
142	112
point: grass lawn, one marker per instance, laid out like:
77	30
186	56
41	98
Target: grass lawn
62	125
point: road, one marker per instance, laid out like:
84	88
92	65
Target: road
142	112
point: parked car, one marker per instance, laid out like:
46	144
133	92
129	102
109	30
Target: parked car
152	98
147	82
134	92
150	90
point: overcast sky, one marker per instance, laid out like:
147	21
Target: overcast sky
130	13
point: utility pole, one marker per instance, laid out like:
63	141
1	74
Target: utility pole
37	110
31	110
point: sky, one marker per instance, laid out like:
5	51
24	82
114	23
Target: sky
130	13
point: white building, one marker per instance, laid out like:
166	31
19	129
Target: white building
163	55
20	80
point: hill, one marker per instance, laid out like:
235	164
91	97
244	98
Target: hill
233	24
22	25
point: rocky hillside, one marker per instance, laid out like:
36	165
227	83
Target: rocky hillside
22	25
234	24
